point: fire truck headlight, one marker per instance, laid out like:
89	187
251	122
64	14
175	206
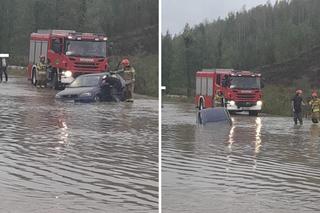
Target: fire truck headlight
232	103
67	73
259	103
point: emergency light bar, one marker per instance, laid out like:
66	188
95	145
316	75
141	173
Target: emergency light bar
245	73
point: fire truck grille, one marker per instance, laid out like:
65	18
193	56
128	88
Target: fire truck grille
245	104
81	65
246	96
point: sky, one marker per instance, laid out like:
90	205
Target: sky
176	13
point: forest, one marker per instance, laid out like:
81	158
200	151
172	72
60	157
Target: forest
259	39
132	27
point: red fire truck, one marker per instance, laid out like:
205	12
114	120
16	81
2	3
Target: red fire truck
68	54
241	90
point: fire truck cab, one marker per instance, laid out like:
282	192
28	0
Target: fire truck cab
68	54
241	90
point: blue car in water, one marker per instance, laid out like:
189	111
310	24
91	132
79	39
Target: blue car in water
107	86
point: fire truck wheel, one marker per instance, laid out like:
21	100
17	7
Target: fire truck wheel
253	113
34	78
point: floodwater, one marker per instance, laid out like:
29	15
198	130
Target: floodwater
72	157
258	165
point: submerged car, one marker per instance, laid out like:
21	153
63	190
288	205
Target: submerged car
105	86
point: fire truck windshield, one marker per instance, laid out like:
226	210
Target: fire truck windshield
86	48
245	82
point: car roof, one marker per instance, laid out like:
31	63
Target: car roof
95	74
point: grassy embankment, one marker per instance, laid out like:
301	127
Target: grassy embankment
277	99
146	67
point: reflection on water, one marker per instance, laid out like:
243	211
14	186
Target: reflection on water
67	157
257	136
260	164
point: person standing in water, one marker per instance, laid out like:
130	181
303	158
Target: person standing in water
296	103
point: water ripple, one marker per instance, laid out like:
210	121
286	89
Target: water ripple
263	164
67	157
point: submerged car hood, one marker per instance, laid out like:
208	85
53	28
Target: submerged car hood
76	90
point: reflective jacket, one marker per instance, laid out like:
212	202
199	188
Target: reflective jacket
315	105
129	74
218	100
41	67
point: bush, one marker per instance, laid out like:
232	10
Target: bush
146	67
277	99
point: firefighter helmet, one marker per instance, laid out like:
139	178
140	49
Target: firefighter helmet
42	58
125	62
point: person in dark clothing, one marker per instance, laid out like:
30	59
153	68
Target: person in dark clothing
226	81
3	69
296	103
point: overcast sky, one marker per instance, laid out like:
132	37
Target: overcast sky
176	13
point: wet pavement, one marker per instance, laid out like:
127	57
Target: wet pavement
258	165
72	157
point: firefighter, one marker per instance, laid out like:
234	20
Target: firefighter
41	72
315	107
296	103
128	74
218	99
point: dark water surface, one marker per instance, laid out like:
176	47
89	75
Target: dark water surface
259	165
67	157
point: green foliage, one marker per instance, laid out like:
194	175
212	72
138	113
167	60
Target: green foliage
248	39
277	100
132	26
146	68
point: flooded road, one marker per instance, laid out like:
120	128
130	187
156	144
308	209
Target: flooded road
67	157
259	165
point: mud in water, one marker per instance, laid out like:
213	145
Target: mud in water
72	157
258	165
